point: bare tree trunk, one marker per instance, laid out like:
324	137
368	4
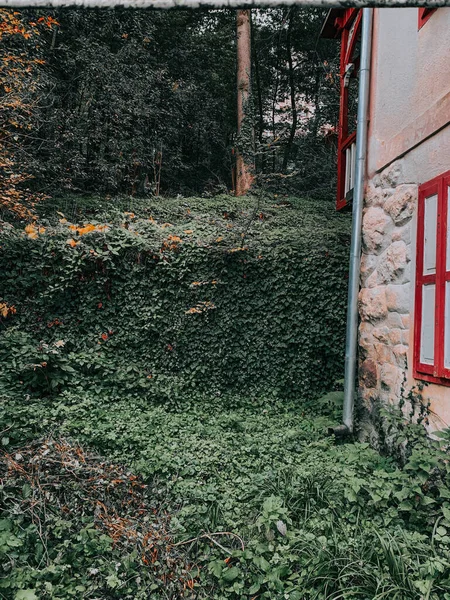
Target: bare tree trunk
244	168
288	149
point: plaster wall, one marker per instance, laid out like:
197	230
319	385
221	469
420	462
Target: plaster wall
410	82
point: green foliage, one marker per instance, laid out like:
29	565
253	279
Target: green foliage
177	297
140	101
131	97
77	526
318	520
138	338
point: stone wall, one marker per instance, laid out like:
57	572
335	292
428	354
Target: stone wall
386	287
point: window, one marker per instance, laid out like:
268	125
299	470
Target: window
424	15
350	27
432	302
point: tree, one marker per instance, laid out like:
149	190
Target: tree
132	86
244	166
20	81
288	148
137	102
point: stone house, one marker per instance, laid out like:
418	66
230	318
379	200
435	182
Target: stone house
404	300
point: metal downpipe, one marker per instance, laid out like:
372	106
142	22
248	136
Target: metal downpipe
358	200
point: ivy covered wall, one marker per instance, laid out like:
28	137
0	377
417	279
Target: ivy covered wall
166	299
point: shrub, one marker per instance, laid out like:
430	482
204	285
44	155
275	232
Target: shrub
177	296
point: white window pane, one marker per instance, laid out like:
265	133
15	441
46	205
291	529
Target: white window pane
448	229
347	169
353	164
447	326
429	248
427	333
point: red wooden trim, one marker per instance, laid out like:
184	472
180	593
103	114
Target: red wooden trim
348	17
351	47
431	378
343	137
342	127
445	268
427	279
436	373
439	323
425	191
424	15
348	141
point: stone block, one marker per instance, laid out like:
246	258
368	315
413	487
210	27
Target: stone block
406	320
376	230
395	321
405	277
401	205
368	396
391	266
402	233
368	264
376	195
401	355
381	334
391	377
395	337
397	298
372	303
365	333
392	263
369	374
382	353
405	337
391	177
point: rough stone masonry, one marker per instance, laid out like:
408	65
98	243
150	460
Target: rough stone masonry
386	288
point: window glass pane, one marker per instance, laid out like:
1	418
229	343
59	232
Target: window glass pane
429	249
427	333
447	326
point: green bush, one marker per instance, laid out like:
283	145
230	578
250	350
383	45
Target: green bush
177	297
190	340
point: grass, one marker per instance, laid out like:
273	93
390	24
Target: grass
264	472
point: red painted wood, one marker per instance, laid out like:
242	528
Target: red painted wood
424	15
436	373
445	268
344	138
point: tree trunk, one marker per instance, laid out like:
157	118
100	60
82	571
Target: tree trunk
244	165
288	149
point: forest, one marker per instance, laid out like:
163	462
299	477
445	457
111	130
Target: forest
173	291
144	102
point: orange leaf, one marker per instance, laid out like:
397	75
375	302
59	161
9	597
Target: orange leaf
86	229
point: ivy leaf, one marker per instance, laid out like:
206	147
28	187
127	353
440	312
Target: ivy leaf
26	595
446	512
230	574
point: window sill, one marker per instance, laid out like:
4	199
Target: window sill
432	379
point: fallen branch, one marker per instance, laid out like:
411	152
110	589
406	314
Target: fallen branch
209	536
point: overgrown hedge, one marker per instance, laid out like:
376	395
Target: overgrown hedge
175	296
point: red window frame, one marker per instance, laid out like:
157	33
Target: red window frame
345	139
424	15
436	373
